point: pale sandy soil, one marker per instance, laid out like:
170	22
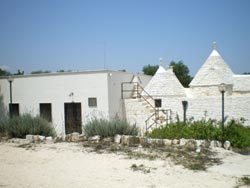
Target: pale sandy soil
65	165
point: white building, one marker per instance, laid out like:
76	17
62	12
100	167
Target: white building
68	99
163	98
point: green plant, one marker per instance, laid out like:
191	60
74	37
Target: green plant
235	131
20	126
195	130
141	168
244	181
237	134
106	128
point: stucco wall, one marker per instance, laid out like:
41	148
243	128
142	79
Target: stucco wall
29	91
116	106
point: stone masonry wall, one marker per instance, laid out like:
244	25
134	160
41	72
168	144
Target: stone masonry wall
198	108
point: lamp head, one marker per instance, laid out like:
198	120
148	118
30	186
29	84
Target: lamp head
222	87
10	79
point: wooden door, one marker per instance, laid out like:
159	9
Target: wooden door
73	117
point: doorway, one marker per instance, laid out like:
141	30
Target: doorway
73	117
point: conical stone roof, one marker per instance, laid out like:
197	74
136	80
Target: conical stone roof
213	72
164	83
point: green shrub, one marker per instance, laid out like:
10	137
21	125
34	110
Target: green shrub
235	132
106	128
3	122
20	126
194	130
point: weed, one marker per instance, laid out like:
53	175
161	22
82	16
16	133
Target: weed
141	168
243	181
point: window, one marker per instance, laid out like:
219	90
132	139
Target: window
92	102
158	103
45	111
14	109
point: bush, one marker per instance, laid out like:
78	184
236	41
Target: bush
20	126
235	132
3	122
105	128
191	130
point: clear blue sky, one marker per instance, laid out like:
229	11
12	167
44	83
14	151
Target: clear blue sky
70	34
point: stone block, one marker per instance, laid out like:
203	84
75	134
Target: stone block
49	138
191	144
218	144
175	142
167	142
205	143
42	138
107	140
68	138
133	140
213	144
74	137
29	137
144	141
36	138
227	145
83	137
157	142
95	139
183	141
117	139
124	139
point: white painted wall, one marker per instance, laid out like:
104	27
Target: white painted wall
115	79
29	91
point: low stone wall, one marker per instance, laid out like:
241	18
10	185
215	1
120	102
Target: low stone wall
134	141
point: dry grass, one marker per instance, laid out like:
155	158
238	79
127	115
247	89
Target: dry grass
180	155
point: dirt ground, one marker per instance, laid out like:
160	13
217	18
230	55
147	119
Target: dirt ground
72	165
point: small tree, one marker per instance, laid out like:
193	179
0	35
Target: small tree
40	72
4	72
150	69
182	72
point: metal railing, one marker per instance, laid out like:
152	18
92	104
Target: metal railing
152	120
135	91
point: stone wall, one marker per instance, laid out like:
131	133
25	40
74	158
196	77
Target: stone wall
137	112
198	108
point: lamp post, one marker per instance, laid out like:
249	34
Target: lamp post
10	80
184	104
222	89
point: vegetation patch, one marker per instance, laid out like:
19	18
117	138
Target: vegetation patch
109	128
179	155
244	181
140	168
20	126
235	132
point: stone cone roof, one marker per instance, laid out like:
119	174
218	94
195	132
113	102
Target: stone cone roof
213	72
164	83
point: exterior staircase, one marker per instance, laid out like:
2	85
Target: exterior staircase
157	116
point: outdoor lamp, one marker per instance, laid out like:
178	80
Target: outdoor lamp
10	80
222	89
185	105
